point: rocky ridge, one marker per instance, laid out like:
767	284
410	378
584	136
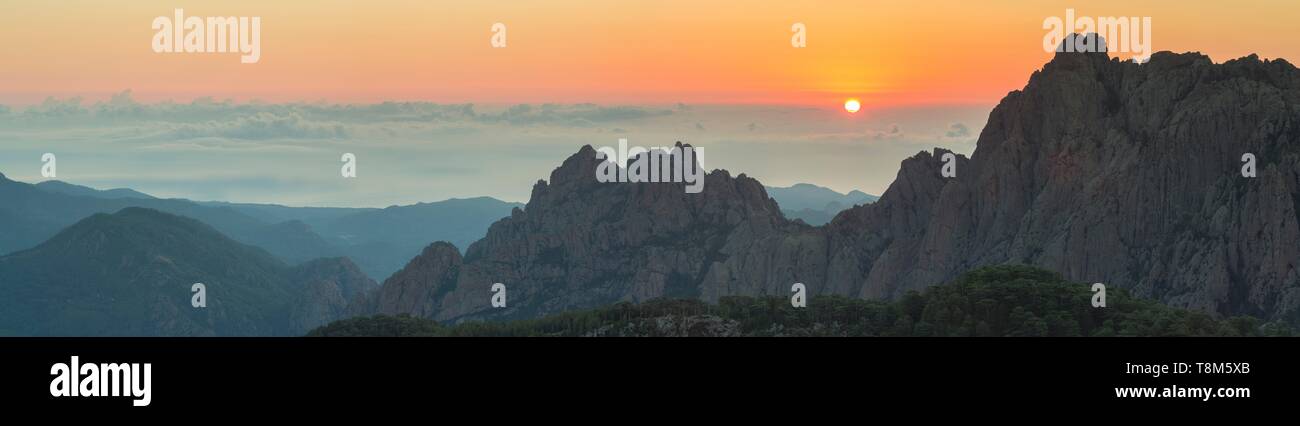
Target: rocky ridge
1104	170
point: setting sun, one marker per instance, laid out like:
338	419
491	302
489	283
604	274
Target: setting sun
852	105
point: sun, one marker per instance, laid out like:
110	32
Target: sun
852	105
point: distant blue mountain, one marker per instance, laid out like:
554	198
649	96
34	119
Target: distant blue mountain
130	274
382	241
814	204
70	189
379	241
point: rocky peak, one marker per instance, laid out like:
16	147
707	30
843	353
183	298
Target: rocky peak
326	290
415	288
1116	172
1106	171
580	242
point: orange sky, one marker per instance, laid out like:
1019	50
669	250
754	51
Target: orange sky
887	53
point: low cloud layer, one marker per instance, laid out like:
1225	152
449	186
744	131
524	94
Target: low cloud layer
417	151
957	130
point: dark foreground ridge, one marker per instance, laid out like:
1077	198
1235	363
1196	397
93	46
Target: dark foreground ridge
1013	301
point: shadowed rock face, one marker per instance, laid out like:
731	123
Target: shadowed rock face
417	287
1106	171
1119	173
582	243
325	290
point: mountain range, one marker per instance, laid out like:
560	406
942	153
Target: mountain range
815	205
1116	172
379	240
129	272
132	273
280	272
1104	171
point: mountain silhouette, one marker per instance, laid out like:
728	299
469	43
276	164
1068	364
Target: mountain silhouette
1115	172
580	243
379	240
1123	173
70	189
808	196
33	213
130	274
385	239
815	205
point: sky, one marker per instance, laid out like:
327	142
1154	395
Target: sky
433	110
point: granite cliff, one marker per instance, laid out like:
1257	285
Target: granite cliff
1103	170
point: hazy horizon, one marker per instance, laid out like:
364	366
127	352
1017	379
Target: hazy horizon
434	107
410	152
